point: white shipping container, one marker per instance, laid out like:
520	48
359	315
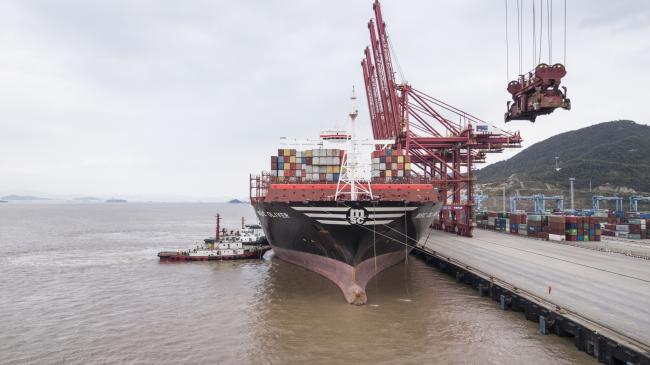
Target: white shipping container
375	173
382	166
622	234
336	161
280	172
400	173
322	169
622	227
298	173
330	177
375	160
315	160
556	237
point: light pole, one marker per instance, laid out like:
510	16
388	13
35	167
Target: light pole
571	180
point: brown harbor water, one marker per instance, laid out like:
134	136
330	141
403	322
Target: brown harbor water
81	284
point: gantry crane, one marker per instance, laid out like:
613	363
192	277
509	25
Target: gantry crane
634	202
441	149
539	202
596	199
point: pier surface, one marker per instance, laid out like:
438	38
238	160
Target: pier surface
610	289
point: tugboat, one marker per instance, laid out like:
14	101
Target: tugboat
249	243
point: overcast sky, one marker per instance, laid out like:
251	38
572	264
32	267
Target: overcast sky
129	97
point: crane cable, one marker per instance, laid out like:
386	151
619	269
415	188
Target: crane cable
534	34
519	26
565	33
541	29
549	31
507	48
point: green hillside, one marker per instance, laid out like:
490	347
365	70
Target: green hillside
613	155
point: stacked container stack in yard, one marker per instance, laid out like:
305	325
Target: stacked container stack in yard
536	224
318	165
557	226
390	165
518	223
635	228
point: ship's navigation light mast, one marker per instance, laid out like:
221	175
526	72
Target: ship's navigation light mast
216	235
352	176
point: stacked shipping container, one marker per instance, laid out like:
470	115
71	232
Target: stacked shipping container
636	228
389	165
518	223
551	227
316	165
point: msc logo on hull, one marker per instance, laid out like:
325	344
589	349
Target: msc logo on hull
356	216
346	216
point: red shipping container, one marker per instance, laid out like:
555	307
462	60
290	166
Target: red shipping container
388	159
635	228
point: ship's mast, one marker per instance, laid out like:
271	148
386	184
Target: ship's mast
216	236
352	174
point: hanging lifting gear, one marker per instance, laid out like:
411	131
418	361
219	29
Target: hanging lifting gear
537	93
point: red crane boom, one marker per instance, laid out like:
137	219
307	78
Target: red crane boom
440	148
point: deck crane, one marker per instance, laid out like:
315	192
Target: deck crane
443	141
537	92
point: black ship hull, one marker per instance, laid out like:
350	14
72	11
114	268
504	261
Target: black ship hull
347	242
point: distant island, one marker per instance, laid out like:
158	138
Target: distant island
236	201
116	201
87	199
22	197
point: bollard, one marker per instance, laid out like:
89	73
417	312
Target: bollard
502	302
542	325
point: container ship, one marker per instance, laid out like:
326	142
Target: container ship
340	211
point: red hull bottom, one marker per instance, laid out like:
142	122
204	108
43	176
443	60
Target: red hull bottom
352	280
